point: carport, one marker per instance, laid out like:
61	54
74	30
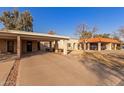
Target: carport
20	42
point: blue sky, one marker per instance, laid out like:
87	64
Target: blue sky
65	20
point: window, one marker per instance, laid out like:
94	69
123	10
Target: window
10	46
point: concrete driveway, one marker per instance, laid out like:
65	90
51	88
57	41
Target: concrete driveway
54	69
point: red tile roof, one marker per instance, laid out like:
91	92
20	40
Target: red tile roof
99	39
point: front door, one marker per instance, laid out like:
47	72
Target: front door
10	46
29	46
38	45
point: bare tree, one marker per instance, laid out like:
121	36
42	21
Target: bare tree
83	31
115	35
102	35
94	30
121	32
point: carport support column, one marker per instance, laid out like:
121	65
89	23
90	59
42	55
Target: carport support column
64	47
115	47
80	46
18	46
56	46
88	46
110	46
99	46
84	45
76	46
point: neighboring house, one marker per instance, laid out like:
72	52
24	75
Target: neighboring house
99	44
21	42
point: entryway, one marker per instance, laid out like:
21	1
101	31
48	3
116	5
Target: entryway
29	46
10	46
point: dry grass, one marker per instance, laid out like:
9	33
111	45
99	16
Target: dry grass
111	61
107	65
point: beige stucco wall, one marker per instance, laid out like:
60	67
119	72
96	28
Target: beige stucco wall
3	46
34	46
109	46
73	44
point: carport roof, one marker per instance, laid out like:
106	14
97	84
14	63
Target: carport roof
31	34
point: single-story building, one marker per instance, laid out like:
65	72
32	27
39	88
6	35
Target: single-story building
99	44
72	44
21	42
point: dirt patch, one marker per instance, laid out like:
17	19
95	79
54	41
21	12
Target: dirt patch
4	70
12	77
